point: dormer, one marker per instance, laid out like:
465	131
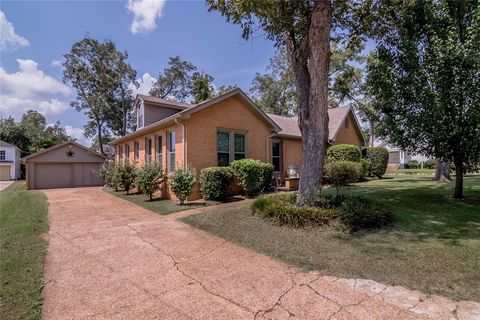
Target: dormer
149	110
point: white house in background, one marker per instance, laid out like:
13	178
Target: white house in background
9	161
398	158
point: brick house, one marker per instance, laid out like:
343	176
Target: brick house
220	130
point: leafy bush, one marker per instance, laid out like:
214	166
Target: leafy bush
359	212
126	175
109	173
254	176
342	173
147	179
413	164
378	158
429	164
364	165
280	209
216	182
343	152
182	181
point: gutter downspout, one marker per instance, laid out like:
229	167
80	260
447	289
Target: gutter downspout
183	142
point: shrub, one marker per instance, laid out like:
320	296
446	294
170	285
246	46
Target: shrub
378	158
413	164
359	212
429	164
147	179
364	165
109	173
343	152
216	182
126	175
342	173
254	176
182	181
280	209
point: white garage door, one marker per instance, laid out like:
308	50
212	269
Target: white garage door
53	175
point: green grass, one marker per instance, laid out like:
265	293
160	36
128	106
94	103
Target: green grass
427	172
23	230
161	206
433	245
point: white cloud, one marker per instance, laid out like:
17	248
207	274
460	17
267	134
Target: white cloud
77	133
146	83
30	88
57	63
145	14
8	37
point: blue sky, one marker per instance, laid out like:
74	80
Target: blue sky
36	34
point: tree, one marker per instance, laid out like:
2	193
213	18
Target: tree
428	79
100	75
224	89
274	91
176	81
304	27
203	88
12	133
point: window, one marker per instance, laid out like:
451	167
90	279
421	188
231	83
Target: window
230	146
2	154
276	156
127	152
159	151
171	151
140	119
120	153
148	152
136	150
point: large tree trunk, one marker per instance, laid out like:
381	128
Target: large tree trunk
313	115
458	179
99	136
442	170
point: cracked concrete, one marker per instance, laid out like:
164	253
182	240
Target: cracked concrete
110	259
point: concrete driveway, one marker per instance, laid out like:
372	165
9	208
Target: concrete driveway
4	184
110	259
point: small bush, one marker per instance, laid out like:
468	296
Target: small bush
216	182
364	165
378	158
359	212
109	173
413	164
280	210
342	173
429	164
343	152
254	176
182	182
126	175
147	180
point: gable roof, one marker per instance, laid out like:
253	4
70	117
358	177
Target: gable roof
188	111
336	117
61	145
7	145
163	102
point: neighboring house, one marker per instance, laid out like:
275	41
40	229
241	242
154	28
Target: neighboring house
9	161
398	158
65	165
220	130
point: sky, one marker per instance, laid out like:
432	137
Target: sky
36	34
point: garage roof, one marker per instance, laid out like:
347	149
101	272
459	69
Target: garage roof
27	158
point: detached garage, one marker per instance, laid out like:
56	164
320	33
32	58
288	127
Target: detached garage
65	165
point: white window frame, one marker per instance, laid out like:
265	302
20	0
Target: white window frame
136	150
140	116
159	151
231	143
170	152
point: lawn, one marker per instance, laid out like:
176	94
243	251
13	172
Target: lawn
161	206
23	229
433	245
426	172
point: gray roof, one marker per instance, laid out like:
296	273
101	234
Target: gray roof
289	125
165	102
6	144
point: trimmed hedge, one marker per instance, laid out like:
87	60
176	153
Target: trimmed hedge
342	173
378	158
429	164
216	182
344	152
280	209
413	164
254	176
